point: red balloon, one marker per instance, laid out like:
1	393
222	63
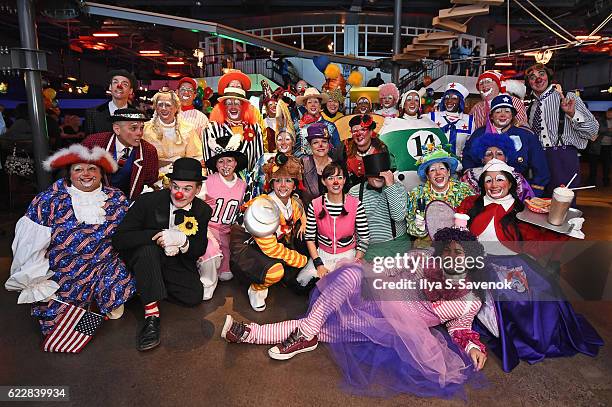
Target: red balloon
178	195
208	92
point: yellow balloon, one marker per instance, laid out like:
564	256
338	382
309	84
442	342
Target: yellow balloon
49	93
202	83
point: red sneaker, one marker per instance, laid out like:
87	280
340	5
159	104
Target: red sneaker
294	344
234	332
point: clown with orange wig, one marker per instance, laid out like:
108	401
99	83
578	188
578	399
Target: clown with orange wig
234	116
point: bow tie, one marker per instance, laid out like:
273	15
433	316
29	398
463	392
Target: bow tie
371	188
179	216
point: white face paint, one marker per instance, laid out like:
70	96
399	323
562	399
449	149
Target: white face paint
284	143
412	104
502	117
496	184
234	109
488	88
438	175
226	166
387	101
85	177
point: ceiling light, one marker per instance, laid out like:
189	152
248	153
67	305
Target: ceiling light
107	35
145	51
500	63
175	63
72	78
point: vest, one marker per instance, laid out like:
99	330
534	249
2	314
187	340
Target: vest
340	229
225	201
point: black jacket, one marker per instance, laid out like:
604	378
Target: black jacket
97	119
150	214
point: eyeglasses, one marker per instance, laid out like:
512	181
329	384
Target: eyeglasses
186	90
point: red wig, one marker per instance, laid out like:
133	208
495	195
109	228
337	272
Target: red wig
219	113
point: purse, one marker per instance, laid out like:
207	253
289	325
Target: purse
17	165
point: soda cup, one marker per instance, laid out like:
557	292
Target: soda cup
561	201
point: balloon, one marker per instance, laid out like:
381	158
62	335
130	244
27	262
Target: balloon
200	92
208	92
202	83
49	93
208	110
197	103
427	80
206	104
430	92
321	62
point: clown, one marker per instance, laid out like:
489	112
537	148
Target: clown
312	100
186	91
332	110
389	96
270	104
270	248
457	125
235	117
489	84
364	99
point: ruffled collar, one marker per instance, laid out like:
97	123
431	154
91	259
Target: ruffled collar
88	206
506	202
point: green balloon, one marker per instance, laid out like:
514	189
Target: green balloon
200	92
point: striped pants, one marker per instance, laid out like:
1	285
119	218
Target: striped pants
329	301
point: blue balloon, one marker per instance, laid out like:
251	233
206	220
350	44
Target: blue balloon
197	103
321	62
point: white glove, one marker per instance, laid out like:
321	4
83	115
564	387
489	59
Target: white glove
171	250
305	275
146	189
173	237
576	231
234	142
419	222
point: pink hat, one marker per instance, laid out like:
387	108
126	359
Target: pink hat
388	89
495	76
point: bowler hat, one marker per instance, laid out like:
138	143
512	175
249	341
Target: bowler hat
186	169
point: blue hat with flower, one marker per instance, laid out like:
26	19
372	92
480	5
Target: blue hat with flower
435	154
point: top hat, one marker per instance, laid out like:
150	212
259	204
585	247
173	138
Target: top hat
376	163
186	169
128	115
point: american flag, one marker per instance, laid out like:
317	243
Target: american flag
73	330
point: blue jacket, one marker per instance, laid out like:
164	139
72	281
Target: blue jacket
529	156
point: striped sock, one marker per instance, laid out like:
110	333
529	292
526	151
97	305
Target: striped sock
273	276
151	310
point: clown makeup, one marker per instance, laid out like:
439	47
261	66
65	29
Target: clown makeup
300	87
538	81
85	177
488	88
283	188
284	143
363	106
412	104
120	88
335	183
186	94
271	108
320	147
362	137
438	176
182	193
496	184
502	117
313	106
226	167
493	152
332	106
451	102
165	108
387	101
234	109
235	84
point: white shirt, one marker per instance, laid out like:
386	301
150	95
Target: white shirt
112	107
119	147
488	237
286	210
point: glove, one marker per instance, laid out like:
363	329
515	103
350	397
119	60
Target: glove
146	189
173	237
234	142
171	250
419	222
576	231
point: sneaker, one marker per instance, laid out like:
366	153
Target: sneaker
234	332
257	299
226	276
294	344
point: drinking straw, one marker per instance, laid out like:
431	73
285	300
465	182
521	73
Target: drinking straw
588	187
570	181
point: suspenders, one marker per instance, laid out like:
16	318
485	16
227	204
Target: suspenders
393	230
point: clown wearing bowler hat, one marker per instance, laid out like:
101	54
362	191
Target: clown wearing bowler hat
160	239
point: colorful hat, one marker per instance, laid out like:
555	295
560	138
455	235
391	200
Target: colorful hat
365	120
411	91
435	155
225	80
282	166
190	81
334	94
497	165
186	169
494	76
78	153
456	89
368	92
222	151
488	140
233	93
344	128
388	89
128	115
309	94
317	130
503	100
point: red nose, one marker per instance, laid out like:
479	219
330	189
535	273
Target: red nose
119	87
179	195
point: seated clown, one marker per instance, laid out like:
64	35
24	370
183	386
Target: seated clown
62	251
498	147
269	248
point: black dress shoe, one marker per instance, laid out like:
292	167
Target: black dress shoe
149	335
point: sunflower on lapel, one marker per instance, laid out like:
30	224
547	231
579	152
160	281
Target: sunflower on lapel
189	226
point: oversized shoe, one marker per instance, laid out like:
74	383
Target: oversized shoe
234	332
294	344
257	298
116	313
